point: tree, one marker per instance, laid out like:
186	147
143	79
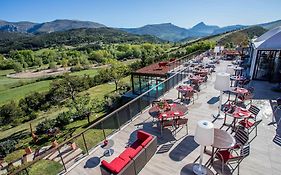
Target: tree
117	71
18	67
81	107
64	63
10	113
22	56
32	102
38	61
52	65
69	87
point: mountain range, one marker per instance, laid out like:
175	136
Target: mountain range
47	27
164	31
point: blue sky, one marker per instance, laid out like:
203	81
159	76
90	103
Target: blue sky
136	13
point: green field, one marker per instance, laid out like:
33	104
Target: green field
90	72
20	92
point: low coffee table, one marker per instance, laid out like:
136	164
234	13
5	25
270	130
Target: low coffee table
108	151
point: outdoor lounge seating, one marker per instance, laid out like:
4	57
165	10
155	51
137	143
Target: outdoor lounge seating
133	158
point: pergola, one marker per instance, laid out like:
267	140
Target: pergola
148	77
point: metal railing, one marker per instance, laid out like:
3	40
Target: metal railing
91	137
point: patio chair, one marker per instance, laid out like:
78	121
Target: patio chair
228	109
166	123
232	159
251	123
241	137
182	122
244	83
277	107
189	95
247	97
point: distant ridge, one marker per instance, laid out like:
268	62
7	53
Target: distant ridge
164	31
47	27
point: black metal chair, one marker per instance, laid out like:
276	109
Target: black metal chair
251	123
232	159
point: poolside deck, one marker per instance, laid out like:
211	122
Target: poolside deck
175	154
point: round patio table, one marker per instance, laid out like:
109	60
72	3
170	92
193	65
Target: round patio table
222	140
239	113
238	70
184	89
236	79
241	91
176	110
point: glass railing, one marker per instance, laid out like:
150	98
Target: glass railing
70	151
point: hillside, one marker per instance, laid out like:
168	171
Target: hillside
171	32
62	25
243	36
46	27
271	25
203	29
165	31
17	41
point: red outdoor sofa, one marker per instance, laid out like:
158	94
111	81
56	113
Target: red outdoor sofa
133	158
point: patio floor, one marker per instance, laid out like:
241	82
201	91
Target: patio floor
176	153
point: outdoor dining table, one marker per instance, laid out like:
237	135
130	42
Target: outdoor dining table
184	89
176	109
239	91
236	79
238	70
201	72
239	113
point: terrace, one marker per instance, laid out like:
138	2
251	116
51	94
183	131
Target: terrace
176	153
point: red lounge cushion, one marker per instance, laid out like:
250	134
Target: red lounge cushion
144	143
129	153
224	155
116	165
246	123
142	135
136	144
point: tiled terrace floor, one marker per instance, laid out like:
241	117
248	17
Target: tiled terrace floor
174	153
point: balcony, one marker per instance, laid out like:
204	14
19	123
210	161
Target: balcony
176	153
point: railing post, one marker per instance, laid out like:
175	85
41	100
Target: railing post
118	121
26	171
62	160
103	131
85	143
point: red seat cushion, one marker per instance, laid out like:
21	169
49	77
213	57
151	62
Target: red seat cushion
136	144
116	165
130	153
144	143
246	123
224	155
142	135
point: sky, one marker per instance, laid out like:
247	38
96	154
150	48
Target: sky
136	13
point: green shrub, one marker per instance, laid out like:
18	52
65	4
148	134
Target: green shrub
7	147
43	127
63	119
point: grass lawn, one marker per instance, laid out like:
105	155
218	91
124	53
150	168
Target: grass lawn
45	167
20	92
90	72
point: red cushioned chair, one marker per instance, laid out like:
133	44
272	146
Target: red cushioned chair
232	158
251	123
